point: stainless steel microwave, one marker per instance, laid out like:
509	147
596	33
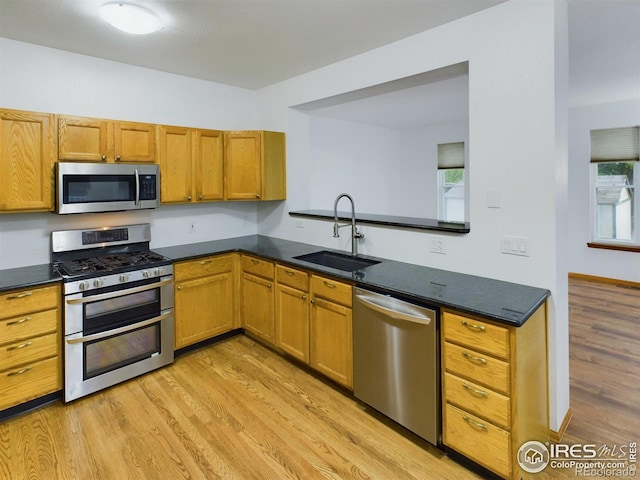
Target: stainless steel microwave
106	187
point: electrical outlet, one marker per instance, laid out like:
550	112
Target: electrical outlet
192	226
436	245
510	245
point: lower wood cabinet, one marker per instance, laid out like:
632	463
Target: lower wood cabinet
30	344
331	331
204	299
495	393
292	312
258	298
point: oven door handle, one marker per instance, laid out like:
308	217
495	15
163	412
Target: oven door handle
119	293
118	331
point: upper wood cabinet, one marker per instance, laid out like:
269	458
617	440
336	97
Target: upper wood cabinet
27	156
98	140
255	165
191	165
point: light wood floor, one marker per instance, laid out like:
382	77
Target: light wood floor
604	362
237	410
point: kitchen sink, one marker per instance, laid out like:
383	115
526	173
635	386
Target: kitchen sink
338	261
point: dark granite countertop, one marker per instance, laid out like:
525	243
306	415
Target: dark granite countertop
27	277
506	302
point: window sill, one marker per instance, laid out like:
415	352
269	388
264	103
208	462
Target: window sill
608	246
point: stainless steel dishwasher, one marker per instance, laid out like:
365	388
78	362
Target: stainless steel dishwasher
396	361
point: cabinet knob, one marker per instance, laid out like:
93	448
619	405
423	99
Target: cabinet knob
117	158
304	297
189	197
200	197
257	195
178	287
268	285
104	158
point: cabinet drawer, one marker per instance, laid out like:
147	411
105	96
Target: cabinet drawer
478	400
478	439
202	267
293	278
19	353
476	334
476	366
20	302
331	290
31	381
28	325
257	266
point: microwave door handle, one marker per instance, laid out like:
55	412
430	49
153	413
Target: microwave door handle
137	202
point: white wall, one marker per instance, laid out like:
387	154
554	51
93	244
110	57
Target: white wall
582	259
512	148
387	171
48	80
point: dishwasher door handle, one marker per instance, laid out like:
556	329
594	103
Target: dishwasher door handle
386	306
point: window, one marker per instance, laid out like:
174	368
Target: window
614	179
451	188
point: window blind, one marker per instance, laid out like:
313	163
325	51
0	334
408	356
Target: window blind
615	145
451	155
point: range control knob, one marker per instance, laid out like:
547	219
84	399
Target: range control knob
83	285
98	282
124	278
146	273
157	272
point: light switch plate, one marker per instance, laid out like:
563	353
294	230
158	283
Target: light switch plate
511	245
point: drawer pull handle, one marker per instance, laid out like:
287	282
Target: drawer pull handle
473	326
204	262
255	262
474	424
22	345
329	284
289	272
18	322
19	372
474	359
474	391
20	295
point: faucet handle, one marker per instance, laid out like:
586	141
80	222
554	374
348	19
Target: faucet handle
336	230
358	234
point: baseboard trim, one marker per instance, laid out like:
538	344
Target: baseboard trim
556	437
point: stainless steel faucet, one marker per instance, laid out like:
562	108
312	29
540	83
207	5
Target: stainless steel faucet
355	234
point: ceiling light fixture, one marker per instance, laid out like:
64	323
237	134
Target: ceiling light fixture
130	18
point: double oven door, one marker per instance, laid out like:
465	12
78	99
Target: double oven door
116	333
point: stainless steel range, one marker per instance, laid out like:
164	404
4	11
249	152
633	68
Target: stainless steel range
118	306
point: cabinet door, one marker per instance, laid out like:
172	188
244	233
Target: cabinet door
258	306
243	169
292	322
208	165
27	150
332	341
175	165
84	139
203	308
134	142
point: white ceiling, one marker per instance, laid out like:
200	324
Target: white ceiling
255	43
